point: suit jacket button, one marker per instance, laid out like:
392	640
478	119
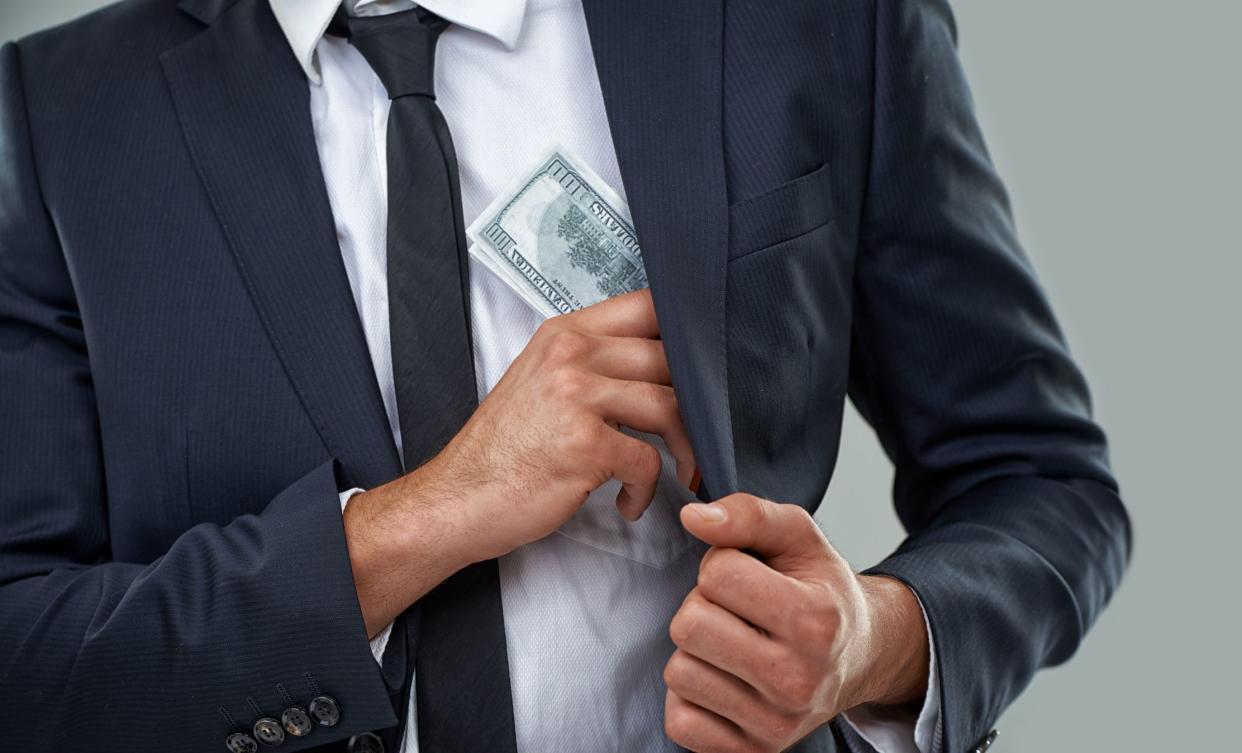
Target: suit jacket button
367	742
297	721
325	710
985	743
268	731
240	742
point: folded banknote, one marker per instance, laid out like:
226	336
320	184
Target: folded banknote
561	238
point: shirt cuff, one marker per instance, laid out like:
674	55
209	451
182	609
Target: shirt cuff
892	734
380	641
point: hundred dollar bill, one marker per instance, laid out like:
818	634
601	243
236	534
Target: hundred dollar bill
561	238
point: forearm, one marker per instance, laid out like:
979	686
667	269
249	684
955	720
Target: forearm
226	614
405	538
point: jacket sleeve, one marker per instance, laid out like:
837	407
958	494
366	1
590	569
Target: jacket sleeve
101	655
1017	536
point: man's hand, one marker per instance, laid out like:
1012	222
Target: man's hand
770	647
538	445
547	435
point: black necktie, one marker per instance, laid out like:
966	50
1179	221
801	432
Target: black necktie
461	668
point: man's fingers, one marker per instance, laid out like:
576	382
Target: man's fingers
742	521
752	590
720	638
697	729
636	465
629	315
715	690
632	359
650	408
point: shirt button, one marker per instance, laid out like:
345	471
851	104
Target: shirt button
297	721
367	742
240	742
325	710
268	731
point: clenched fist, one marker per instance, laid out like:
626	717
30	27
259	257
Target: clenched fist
773	644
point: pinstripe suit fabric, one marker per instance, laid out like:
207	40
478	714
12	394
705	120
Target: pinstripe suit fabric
184	384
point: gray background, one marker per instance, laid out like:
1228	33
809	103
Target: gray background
1116	124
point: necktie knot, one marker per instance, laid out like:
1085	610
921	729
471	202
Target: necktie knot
400	48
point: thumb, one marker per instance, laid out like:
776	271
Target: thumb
783	534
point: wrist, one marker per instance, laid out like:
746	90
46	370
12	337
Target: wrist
402	542
899	650
465	501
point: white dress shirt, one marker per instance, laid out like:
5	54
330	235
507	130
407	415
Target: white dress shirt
586	609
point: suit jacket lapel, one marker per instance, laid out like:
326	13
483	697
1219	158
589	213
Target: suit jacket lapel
243	104
659	67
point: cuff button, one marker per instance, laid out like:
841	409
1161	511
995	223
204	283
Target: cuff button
325	710
240	742
985	743
268	731
297	721
367	742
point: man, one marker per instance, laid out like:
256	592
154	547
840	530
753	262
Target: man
235	302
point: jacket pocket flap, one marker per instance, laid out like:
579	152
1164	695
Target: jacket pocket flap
785	212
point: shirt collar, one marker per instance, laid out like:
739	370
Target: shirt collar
305	21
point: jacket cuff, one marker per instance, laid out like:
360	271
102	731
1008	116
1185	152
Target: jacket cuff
325	648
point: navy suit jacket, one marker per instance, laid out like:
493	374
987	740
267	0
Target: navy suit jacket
185	387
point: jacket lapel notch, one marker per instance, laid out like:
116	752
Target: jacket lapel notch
205	11
660	69
243	104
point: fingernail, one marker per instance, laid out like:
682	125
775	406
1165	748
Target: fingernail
710	513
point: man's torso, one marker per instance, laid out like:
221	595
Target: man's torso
225	347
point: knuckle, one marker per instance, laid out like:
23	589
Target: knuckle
678	724
760	509
747	507
647	460
790	685
581	437
676	671
817	631
795	690
686	622
656	399
672	680
680	628
817	624
832	613
665	397
716	575
800	515
567	384
566	346
550	327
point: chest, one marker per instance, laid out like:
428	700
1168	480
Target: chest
506	110
225	278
